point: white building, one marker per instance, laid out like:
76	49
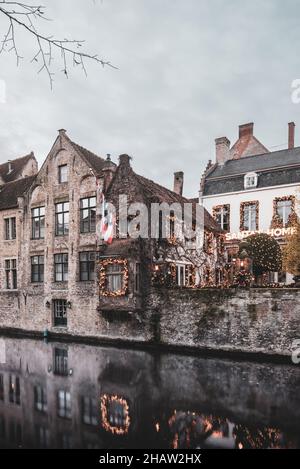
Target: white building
250	189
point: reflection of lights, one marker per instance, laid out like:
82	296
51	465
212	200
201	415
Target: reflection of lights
240	446
118	424
157	427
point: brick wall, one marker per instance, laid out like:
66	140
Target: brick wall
256	321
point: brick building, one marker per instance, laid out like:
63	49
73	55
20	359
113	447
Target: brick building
55	271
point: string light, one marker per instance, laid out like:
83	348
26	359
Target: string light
121	427
103	277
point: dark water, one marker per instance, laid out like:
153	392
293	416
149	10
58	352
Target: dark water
76	396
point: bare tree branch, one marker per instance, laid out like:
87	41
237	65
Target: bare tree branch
23	15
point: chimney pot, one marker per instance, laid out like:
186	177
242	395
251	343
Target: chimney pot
292	126
9	167
178	182
246	130
222	150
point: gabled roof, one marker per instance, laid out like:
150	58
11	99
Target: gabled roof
247	145
93	160
10	192
17	166
143	189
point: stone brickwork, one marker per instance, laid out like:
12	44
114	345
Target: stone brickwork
257	321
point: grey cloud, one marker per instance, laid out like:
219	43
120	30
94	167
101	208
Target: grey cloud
189	71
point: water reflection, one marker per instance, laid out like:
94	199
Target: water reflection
79	396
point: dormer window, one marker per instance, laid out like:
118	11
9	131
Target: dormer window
250	180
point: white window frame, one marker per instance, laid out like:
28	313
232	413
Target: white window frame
250	180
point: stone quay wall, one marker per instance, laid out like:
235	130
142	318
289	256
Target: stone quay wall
255	321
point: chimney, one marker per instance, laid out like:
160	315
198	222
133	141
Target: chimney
178	182
62	132
222	150
291	135
246	130
9	167
108	169
124	160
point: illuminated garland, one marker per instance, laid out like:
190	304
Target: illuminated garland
103	276
190	276
265	253
208	242
217	209
277	221
106	402
242	214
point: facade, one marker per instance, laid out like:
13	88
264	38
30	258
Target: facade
56	272
250	189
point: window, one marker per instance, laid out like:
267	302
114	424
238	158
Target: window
61	267
115	414
42	436
221	214
63	173
114	277
10	228
284	207
172	225
87	266
250	180
38	223
137	277
64	404
15	434
40	399
88	215
37	269
11	274
14	390
62	218
1	387
60	312
180	275
61	362
249	216
89	411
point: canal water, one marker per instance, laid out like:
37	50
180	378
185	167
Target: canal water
56	395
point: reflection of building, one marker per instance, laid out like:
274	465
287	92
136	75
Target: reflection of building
73	396
250	189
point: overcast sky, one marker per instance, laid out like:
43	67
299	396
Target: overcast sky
188	71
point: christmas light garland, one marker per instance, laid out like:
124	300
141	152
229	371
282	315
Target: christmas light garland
106	402
103	277
226	209
277	221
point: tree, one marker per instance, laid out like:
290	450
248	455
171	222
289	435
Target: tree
21	15
265	253
291	253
